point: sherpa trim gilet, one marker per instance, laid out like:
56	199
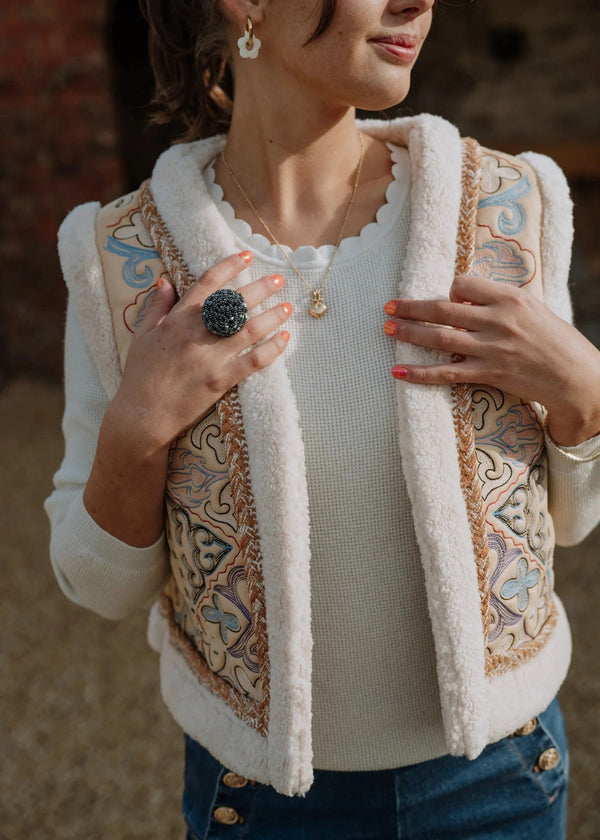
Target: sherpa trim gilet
233	623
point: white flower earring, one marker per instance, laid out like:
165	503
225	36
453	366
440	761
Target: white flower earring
249	44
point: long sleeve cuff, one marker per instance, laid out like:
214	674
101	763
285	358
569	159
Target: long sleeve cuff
574	488
99	571
562	458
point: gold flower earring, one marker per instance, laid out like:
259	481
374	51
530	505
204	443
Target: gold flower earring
249	44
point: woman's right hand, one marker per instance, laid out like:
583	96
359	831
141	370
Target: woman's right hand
176	369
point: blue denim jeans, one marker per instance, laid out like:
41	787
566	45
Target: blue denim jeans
501	795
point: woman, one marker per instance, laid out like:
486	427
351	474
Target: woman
323	483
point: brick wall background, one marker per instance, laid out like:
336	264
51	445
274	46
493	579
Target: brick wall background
59	149
74	80
512	71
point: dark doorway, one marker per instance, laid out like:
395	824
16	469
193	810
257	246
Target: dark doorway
133	88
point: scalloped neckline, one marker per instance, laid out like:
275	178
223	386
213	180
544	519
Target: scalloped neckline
396	198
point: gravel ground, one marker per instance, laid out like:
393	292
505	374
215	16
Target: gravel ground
88	750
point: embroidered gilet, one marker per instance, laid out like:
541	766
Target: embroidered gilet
214	601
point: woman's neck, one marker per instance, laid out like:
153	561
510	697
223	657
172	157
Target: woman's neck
299	174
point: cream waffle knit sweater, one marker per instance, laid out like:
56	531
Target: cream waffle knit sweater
366	714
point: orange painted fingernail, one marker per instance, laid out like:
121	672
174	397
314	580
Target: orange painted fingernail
285	335
159	283
287	308
390	308
389	328
277	279
246	256
399	372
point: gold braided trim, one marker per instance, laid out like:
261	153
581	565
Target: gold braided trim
499	663
462	393
232	430
163	242
245	707
467	227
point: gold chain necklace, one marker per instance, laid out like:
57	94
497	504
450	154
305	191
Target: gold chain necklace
317	307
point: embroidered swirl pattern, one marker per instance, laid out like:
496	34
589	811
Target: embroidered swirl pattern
214	599
501	441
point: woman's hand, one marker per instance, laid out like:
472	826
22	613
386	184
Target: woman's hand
509	339
175	371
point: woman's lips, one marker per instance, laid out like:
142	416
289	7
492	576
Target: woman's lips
402	48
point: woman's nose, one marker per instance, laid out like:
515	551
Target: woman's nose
410	8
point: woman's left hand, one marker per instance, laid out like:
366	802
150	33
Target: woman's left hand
507	338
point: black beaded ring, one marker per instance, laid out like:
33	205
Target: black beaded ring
224	312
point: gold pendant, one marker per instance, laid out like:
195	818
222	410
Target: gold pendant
318	307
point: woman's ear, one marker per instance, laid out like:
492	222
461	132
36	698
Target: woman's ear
236	11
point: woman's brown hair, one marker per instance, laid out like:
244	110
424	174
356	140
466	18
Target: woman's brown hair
189	54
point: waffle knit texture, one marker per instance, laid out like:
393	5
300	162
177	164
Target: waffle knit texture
375	694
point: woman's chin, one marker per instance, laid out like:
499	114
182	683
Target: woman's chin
383	100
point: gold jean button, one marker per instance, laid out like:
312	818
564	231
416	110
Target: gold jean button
527	728
233	780
548	759
227	816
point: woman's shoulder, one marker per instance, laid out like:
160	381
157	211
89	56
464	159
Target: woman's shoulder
83	228
91	231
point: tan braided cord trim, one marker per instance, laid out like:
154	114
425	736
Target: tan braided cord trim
499	663
462	393
232	432
163	242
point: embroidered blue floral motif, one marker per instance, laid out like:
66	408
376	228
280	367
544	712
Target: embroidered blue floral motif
133	273
524	513
208	493
521	585
245	647
497	260
216	615
190	478
513	216
142	310
207	550
502	616
508	438
516	434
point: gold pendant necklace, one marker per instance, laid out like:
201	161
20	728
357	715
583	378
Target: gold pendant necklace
317	307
